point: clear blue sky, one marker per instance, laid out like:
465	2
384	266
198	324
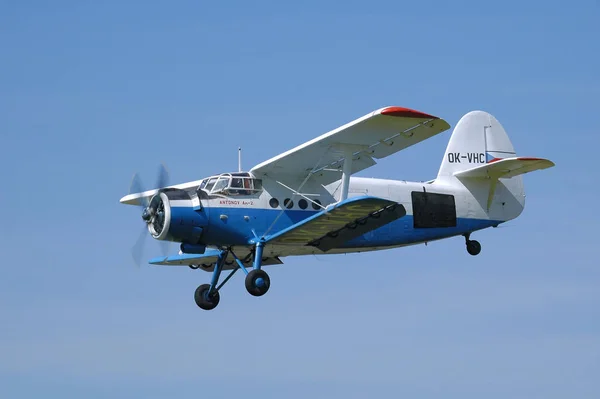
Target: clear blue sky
91	92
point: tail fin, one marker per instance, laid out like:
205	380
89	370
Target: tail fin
478	155
477	139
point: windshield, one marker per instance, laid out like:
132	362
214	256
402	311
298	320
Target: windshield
210	184
221	184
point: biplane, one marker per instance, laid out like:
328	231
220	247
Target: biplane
306	201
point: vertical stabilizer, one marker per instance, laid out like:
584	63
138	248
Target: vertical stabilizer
478	140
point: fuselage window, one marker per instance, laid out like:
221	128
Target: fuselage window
316	205
288	203
303	204
274	202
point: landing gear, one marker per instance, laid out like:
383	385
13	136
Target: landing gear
257	280
473	246
205	300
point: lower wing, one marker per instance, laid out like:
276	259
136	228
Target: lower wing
343	222
207	260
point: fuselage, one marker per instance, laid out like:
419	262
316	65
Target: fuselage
238	219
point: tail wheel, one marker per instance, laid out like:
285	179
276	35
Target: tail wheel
473	247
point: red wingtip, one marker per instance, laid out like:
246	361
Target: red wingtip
406	113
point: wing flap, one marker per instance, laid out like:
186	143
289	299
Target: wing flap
410	136
344	221
506	168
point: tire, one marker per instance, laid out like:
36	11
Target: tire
252	282
202	299
473	247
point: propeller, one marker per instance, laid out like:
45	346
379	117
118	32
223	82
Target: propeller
151	213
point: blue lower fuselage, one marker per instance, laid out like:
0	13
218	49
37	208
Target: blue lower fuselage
238	226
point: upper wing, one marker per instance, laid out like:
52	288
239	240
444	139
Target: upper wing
506	168
374	136
340	223
136	198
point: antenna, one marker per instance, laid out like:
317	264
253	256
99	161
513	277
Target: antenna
239	159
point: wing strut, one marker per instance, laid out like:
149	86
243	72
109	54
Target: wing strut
346	172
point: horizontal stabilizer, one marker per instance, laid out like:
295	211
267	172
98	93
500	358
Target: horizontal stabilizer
344	221
506	168
503	169
207	260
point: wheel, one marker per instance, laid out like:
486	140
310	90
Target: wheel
203	300
473	247
194	267
257	282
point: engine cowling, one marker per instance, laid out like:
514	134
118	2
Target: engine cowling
173	215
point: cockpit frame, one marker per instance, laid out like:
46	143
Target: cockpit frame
232	184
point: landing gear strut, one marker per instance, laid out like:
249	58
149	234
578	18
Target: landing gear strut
473	246
257	280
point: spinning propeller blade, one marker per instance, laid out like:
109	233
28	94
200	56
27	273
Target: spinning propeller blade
137	251
136	186
163	176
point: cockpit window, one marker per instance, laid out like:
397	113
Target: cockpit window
245	186
211	182
233	184
221	184
237	182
